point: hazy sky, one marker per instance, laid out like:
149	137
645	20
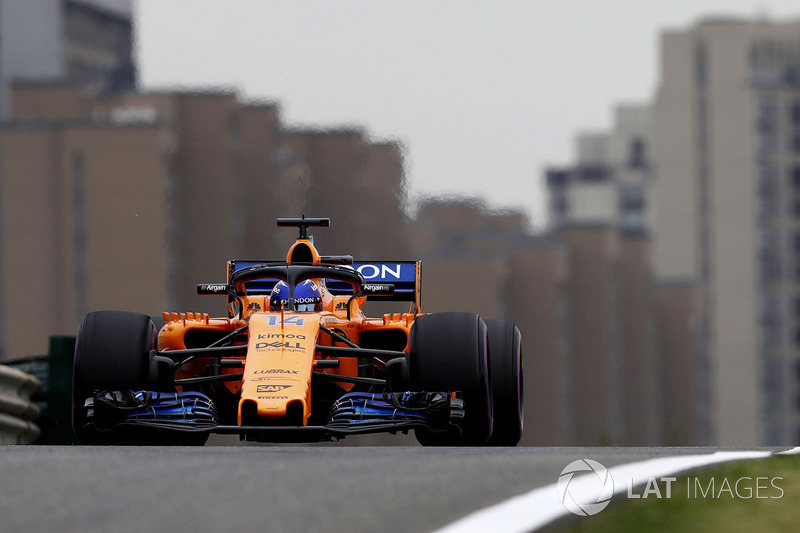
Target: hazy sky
483	94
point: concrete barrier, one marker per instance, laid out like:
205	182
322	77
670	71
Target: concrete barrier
17	412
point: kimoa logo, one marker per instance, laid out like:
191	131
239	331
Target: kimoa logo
280	336
586	495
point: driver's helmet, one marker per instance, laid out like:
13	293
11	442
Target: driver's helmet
307	296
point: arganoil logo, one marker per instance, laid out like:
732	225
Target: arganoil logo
590	494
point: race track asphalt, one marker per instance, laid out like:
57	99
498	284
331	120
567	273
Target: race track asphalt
273	488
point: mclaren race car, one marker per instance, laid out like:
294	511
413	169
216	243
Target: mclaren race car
297	360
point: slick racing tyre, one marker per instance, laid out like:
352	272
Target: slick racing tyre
112	352
505	357
449	352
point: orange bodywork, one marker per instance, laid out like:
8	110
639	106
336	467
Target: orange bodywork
282	352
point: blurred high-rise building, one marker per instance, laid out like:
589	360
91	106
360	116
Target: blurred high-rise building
611	179
354	179
583	295
89	42
726	148
127	200
599	209
465	248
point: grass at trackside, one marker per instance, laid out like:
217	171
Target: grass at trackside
688	511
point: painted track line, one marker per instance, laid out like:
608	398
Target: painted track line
535	509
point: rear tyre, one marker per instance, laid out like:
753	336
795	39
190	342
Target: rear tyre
449	352
505	356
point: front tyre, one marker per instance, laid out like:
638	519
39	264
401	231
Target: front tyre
449	352
113	353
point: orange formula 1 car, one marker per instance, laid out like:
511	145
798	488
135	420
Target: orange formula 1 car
297	360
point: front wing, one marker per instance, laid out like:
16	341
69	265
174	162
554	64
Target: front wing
193	412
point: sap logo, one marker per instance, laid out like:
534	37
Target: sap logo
379	271
280	336
276	371
278	344
271	388
275	320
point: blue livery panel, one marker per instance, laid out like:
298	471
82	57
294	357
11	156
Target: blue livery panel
401	274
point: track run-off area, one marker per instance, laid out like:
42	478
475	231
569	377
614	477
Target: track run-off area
315	488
